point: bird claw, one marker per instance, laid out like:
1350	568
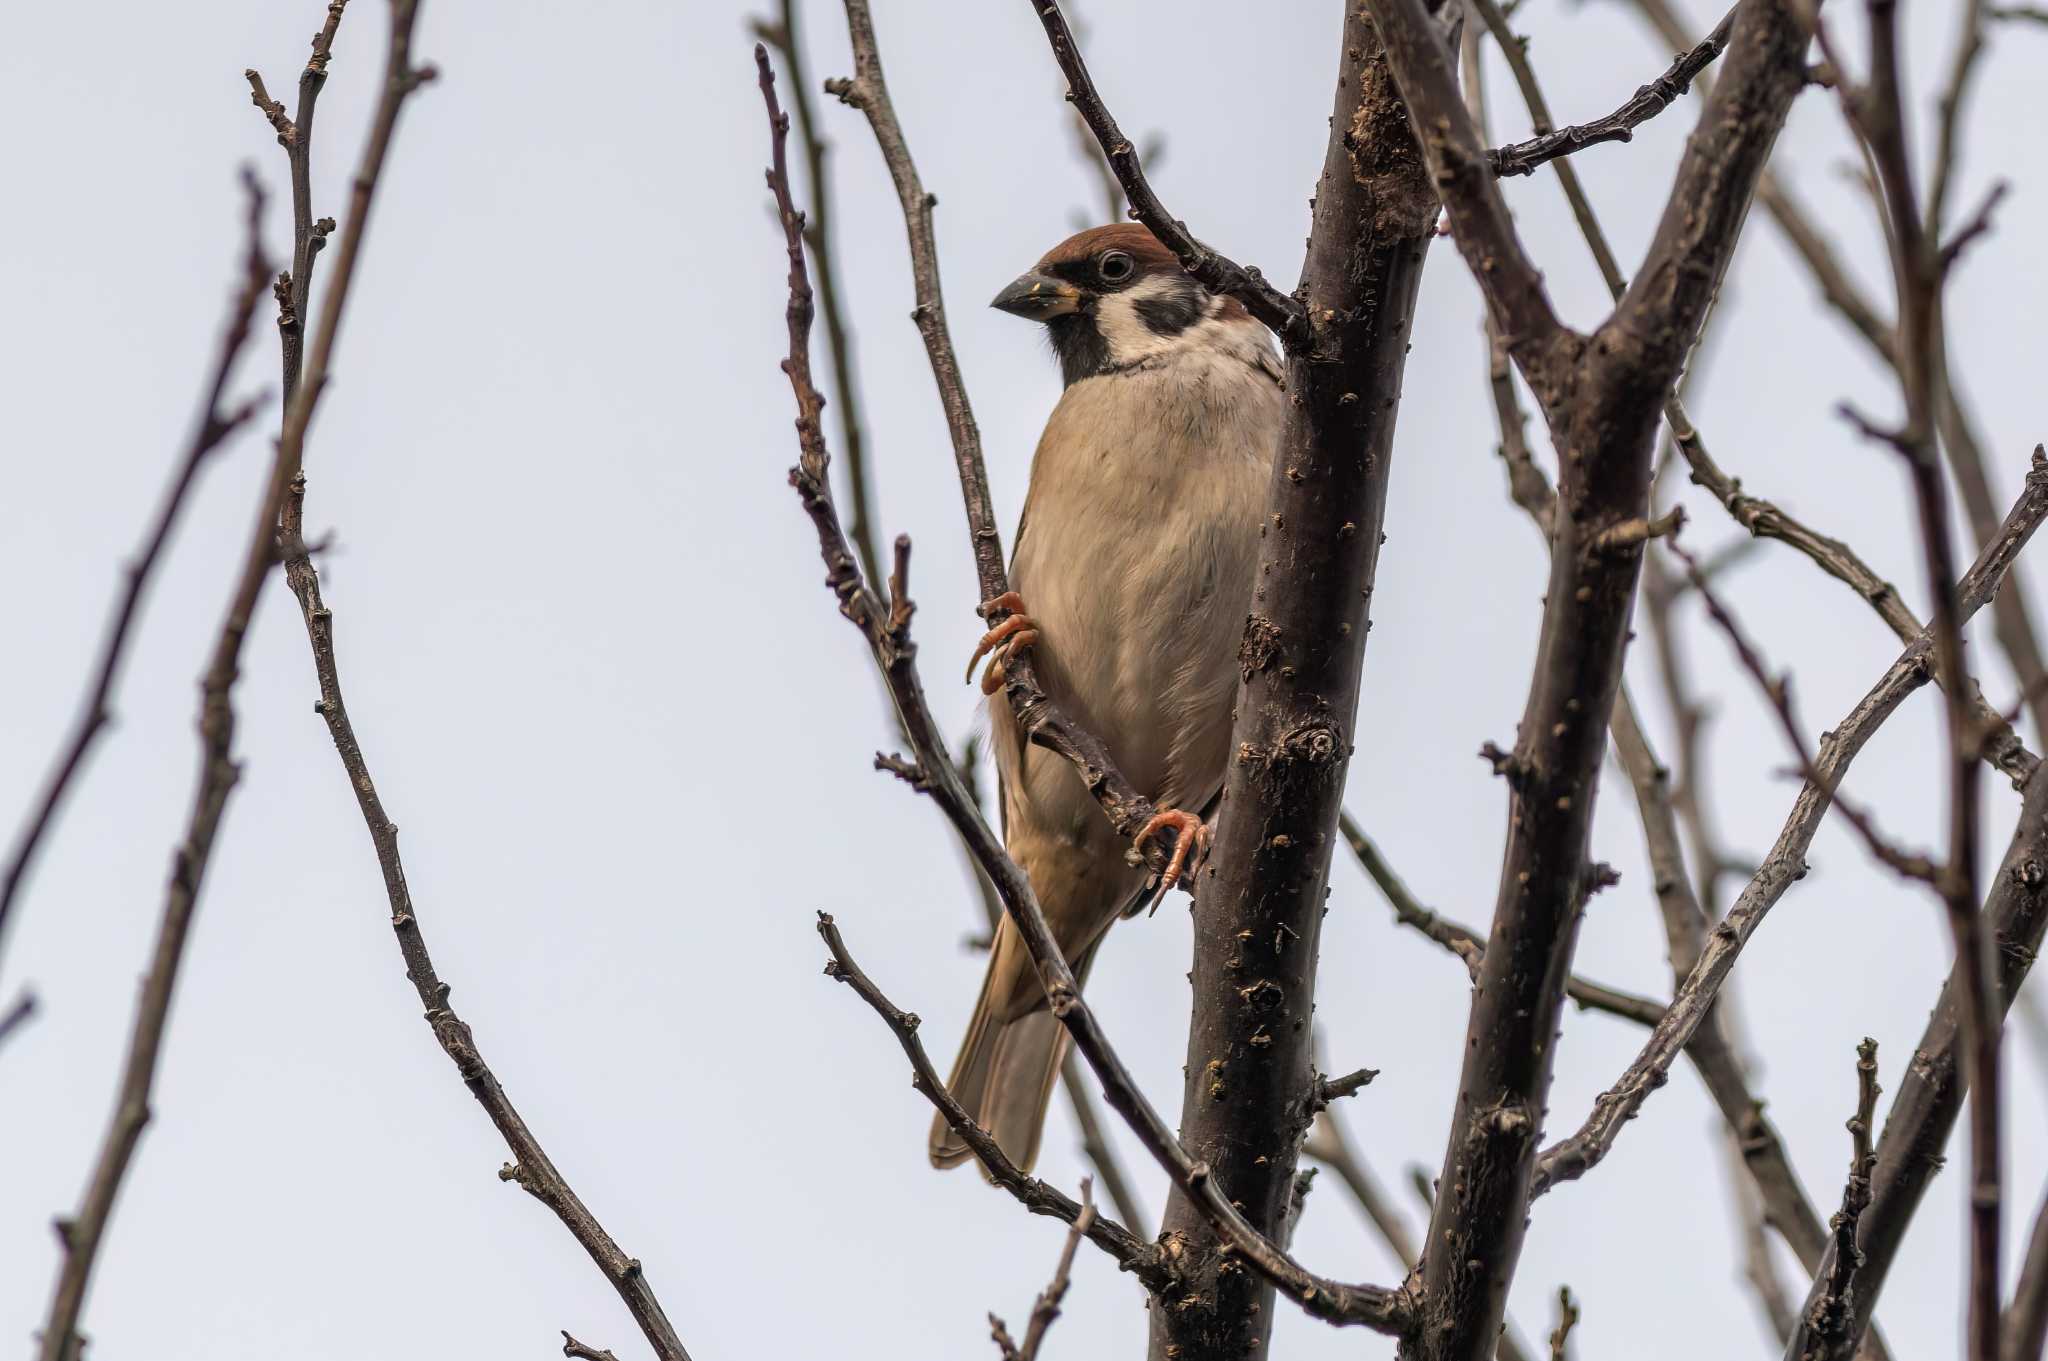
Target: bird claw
1190	845
1004	640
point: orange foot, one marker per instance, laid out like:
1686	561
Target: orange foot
1190	843
1004	640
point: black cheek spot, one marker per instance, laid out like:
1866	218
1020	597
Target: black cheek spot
1168	314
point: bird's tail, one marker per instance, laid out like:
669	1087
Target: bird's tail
1011	1057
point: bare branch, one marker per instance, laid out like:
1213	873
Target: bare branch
2025	1330
1573	1156
1567	1319
1522	158
532	1169
1217	273
1047	1307
1129	1251
1467	944
572	1348
217	423
83	1233
1479	215
1829	1315
1923	1113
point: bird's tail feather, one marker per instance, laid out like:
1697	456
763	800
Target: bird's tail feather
1010	1059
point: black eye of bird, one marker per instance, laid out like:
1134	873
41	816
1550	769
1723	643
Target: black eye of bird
1114	267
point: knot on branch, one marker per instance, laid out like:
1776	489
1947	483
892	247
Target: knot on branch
1634	533
1506	764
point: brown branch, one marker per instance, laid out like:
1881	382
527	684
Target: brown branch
1249	1070
1522	158
886	629
1129	1251
295	289
217	423
1217	273
572	1348
783	36
1878	113
1486	237
1600	396
1829	1315
82	1233
1095	1143
1047	1306
1567	1319
2013	623
1468	945
532	1169
1685	914
1574	1155
1042	721
2025	1330
1929	1101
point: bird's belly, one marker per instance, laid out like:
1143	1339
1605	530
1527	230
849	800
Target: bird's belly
1138	568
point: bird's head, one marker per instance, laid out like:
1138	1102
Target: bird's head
1113	297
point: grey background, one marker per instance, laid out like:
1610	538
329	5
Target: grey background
628	740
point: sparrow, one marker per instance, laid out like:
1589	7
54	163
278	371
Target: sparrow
1132	576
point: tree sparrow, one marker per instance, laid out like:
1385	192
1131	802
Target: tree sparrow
1136	552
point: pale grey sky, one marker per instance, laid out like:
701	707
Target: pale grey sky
628	740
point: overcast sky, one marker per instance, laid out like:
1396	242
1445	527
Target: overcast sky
628	739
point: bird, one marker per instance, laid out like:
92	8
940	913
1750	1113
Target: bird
1131	578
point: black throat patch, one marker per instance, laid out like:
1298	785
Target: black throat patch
1082	351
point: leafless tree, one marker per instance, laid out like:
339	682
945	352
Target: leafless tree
1407	159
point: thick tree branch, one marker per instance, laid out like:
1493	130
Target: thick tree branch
1601	397
886	627
1218	273
1571	1157
1250	1067
82	1233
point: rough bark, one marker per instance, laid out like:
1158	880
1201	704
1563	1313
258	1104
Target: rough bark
1250	1084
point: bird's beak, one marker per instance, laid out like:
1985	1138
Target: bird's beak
1038	297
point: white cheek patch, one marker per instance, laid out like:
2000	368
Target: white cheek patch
1125	333
1130	340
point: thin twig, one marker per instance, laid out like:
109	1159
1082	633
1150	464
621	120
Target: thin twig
1217	273
1129	1251
1567	1319
1829	1316
584	1352
2025	1330
18	1015
1468	945
83	1233
1047	1306
1522	158
532	1169
217	423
